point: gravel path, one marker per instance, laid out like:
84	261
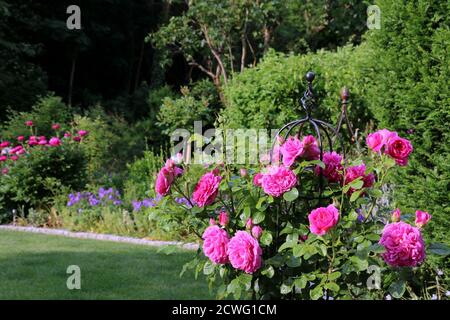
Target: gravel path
97	236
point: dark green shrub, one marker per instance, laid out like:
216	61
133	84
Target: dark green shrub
35	178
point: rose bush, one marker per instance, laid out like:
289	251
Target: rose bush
305	228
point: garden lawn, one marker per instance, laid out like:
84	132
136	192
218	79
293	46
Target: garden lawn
33	266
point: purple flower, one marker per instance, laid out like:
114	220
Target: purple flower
93	201
136	205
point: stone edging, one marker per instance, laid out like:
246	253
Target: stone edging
98	236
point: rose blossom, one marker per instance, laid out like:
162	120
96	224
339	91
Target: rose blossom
54	142
223	218
215	244
396	215
399	149
322	219
422	218
29	123
212	221
257	179
257	232
206	190
243	172
20	138
244	252
82	133
404	245
32	141
14	158
378	140
291	150
333	167
249	224
166	176
77	138
3	158
354	172
311	150
278	180
56	126
67	135
5	171
4	144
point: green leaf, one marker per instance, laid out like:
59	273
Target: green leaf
259	205
359	264
287	245
291	195
357	184
322	249
377	248
397	289
258	217
298	250
332	286
208	268
268	272
247	213
301	282
245	280
285	289
266	238
334	275
355	195
293	262
439	249
316	293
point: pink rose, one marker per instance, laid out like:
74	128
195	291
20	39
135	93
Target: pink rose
206	190
422	218
404	245
5	171
77	138
42	142
353	173
54	142
67	135
14	158
257	179
311	149
322	219
56	126
244	252
333	167
399	149
291	150
278	180
249	224
378	140
212	221
20	138
3	158
257	232
16	150
4	144
82	133
32	141
164	181
223	218
396	215
243	172
215	244
29	123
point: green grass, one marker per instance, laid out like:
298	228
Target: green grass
33	266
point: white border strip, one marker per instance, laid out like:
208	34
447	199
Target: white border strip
98	236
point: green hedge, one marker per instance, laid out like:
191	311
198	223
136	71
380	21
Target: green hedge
399	77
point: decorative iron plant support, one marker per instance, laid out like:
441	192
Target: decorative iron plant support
308	103
345	94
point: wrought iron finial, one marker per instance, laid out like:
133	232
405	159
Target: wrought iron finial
308	100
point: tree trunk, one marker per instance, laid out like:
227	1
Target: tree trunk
71	79
267	37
